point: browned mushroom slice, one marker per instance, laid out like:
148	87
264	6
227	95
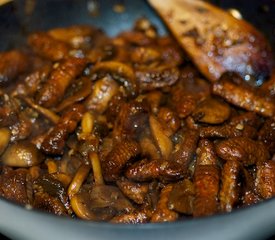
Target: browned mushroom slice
163	213
134	191
79	90
12	64
148	148
160	136
105	50
150	79
182	197
265	179
54	141
13	186
100	203
215	40
230	189
206	182
60	79
121	72
22	154
118	157
22	129
145	55
212	111
103	90
78	36
244	97
242	149
46	46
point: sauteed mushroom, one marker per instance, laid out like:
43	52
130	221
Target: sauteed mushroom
21	154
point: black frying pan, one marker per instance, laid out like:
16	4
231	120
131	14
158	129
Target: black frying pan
256	222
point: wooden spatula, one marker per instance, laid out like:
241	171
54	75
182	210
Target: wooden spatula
215	40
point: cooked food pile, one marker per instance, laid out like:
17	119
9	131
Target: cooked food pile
127	130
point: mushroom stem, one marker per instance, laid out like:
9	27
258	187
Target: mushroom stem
52	166
44	111
78	180
5	136
96	168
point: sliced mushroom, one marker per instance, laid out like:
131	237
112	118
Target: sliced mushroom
212	111
150	79
100	203
121	72
80	89
162	140
103	90
22	154
77	36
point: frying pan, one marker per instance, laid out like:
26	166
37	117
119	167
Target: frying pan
16	222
